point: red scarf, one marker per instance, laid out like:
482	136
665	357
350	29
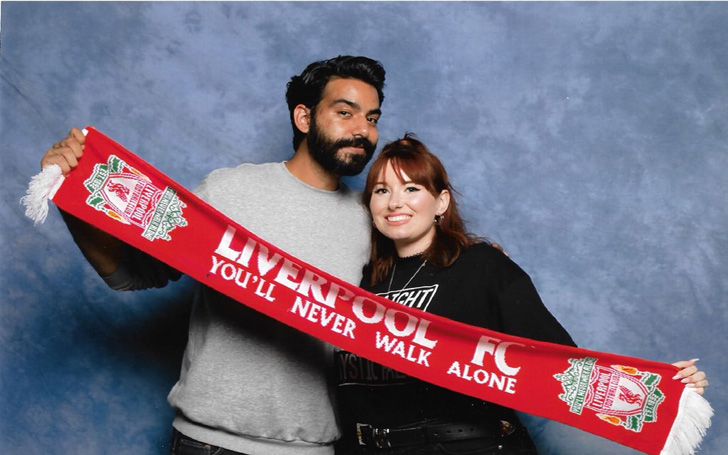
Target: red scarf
631	401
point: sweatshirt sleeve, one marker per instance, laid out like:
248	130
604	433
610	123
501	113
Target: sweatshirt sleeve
520	309
138	270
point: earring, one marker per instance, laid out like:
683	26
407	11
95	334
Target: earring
438	218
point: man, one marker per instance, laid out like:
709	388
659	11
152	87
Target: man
249	384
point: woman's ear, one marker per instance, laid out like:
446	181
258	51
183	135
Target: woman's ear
443	202
302	118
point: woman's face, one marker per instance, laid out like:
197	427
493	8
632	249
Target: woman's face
405	211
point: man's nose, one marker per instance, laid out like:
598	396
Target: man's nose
361	126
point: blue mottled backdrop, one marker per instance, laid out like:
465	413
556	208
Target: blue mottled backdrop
591	139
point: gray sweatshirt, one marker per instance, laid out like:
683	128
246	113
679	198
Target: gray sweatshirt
249	383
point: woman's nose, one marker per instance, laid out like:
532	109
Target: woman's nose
395	201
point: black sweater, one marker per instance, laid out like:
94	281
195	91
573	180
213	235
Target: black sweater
482	288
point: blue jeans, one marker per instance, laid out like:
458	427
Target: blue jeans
182	445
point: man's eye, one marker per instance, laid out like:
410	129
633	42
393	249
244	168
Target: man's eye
373	120
344	113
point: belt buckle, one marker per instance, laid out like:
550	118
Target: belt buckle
380	436
359	436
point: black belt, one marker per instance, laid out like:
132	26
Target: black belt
384	438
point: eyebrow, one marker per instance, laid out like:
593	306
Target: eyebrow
356	106
406	182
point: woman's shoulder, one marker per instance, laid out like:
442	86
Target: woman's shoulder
484	255
483	250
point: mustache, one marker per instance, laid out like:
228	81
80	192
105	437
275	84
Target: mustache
362	142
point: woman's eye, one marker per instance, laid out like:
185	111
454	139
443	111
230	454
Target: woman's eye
412	189
380	191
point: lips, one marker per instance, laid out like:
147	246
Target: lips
355	149
397	218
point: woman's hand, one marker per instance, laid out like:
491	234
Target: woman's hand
691	376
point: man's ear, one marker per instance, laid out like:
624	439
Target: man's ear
302	118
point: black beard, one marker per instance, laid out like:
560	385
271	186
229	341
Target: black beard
326	152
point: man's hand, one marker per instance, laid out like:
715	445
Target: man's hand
102	250
66	152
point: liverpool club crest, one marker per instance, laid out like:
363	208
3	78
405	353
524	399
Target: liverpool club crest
130	197
620	395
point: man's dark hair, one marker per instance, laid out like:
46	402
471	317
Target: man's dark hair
308	87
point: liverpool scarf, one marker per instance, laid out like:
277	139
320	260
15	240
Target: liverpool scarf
631	401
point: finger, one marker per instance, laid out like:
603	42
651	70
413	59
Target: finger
685	372
54	158
73	144
685	363
77	134
700	384
70	154
697	377
64	157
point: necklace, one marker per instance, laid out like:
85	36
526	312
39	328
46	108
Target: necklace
394	269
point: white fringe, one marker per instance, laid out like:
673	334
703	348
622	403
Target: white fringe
693	420
42	187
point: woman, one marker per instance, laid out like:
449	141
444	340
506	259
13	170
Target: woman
421	256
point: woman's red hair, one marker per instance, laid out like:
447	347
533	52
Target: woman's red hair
410	156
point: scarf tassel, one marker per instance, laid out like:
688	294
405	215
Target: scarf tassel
690	426
42	187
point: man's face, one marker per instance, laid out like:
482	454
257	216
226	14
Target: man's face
343	126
